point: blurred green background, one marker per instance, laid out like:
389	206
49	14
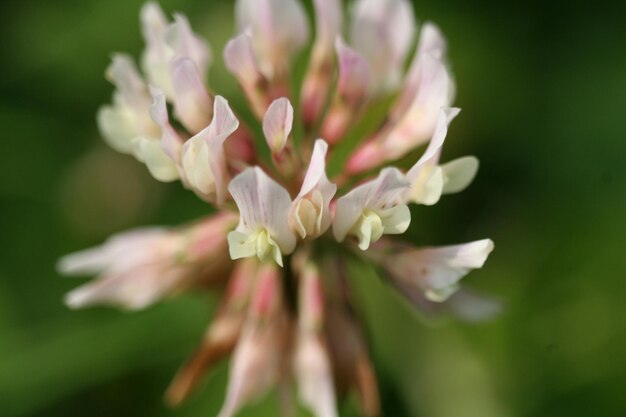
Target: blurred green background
543	91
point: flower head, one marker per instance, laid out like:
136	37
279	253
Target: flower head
286	222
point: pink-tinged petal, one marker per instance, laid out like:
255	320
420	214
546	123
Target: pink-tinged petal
171	142
186	44
354	74
147	286
241	61
382	31
351	364
311	300
193	105
432	43
139	267
314	375
279	28
436	271
209	236
311	361
350	95
418	124
310	212
254	368
120	252
220	338
277	124
319	76
370	155
263	205
256	362
328	19
240	148
375	196
204	163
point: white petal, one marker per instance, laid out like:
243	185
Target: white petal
316	173
382	193
368	229
241	245
305	216
382	31
204	162
157	54
428	186
160	165
259	244
117	126
263	203
310	211
395	220
192	104
132	94
433	152
196	165
277	124
372	225
459	173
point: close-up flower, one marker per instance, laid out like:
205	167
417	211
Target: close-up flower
284	228
312	208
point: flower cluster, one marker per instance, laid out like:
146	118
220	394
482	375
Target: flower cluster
278	243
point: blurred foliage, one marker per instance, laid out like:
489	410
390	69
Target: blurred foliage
543	91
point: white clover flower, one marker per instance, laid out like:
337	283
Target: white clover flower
263	229
310	212
428	179
294	198
373	209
